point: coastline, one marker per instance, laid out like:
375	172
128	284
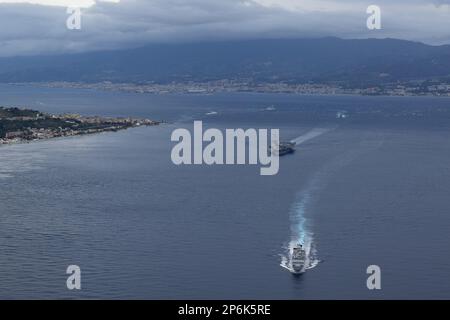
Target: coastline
25	125
208	88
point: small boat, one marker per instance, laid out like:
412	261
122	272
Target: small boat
341	115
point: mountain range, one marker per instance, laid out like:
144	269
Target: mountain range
324	60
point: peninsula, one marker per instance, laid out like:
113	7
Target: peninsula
22	125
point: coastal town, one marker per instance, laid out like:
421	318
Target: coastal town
405	88
24	125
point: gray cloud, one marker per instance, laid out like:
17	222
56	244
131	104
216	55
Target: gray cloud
34	29
442	2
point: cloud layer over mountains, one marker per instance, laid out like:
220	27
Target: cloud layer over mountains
29	28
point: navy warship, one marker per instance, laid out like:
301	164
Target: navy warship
286	148
298	260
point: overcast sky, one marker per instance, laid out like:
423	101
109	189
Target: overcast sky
39	26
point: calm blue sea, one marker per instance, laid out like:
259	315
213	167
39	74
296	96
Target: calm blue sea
372	188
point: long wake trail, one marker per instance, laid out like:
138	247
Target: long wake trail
301	233
301	226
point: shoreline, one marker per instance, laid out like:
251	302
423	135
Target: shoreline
208	89
26	142
19	126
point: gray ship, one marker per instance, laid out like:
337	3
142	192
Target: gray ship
298	260
286	148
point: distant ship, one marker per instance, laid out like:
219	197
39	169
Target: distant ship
286	148
298	260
